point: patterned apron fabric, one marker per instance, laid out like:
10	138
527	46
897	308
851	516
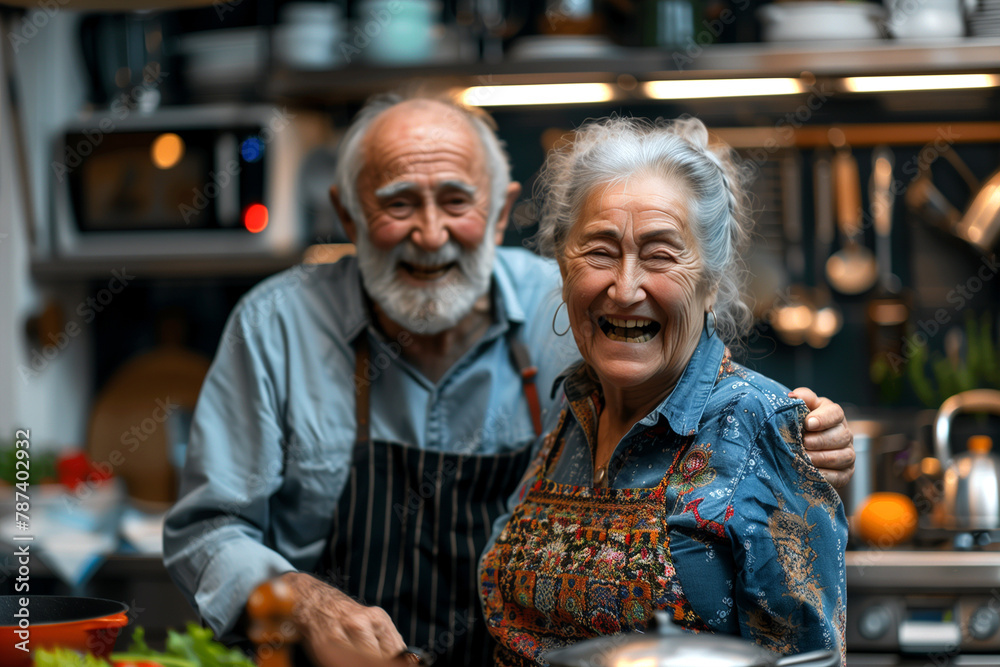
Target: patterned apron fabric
408	532
577	562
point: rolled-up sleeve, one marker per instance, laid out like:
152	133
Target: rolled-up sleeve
788	536
215	537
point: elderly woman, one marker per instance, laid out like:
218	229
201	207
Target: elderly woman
673	478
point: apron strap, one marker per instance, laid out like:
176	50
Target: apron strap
522	362
361	386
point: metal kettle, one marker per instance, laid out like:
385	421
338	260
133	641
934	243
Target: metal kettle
970	499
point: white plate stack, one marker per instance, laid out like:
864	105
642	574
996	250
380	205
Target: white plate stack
985	20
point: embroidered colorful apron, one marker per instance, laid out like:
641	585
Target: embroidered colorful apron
411	524
576	562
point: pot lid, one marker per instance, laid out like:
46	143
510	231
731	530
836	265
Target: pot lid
681	650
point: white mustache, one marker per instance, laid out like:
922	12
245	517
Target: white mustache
411	254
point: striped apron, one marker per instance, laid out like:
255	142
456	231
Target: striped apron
412	523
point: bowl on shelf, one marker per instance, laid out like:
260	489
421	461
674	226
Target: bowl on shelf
812	20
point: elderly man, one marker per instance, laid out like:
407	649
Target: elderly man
366	420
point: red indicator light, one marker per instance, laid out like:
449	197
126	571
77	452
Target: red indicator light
255	218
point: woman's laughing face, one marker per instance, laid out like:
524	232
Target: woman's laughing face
634	283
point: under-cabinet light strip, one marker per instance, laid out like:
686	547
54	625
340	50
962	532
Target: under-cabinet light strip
584	93
541	93
707	88
886	84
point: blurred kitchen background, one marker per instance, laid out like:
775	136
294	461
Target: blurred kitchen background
157	163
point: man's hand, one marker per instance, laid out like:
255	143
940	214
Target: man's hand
330	620
828	440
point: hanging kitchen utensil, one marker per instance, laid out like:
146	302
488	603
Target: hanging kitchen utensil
888	309
827	320
980	224
852	269
793	316
668	645
924	199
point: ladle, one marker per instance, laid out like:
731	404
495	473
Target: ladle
794	315
827	319
852	269
888	312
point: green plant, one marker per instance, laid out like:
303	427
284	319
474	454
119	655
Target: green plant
41	466
934	377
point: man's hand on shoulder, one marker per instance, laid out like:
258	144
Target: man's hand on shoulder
828	440
330	620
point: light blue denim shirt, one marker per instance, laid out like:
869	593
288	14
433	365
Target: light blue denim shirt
274	428
757	535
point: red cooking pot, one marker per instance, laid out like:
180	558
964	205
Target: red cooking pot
87	625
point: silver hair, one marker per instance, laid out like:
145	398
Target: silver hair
351	158
610	150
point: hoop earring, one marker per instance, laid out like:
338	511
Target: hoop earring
710	326
555	315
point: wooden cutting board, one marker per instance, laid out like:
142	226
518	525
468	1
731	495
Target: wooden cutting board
131	422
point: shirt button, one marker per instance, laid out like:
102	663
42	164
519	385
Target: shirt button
599	476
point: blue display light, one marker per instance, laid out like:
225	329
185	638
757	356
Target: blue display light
252	149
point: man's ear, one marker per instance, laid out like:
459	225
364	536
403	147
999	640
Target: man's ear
513	192
349	227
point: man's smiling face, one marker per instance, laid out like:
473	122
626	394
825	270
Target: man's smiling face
426	247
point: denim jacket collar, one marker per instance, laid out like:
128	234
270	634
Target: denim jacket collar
684	406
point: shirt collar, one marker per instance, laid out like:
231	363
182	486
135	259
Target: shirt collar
356	304
684	406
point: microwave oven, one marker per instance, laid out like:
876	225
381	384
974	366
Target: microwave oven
181	182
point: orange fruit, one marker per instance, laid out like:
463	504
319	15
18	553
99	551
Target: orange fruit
886	519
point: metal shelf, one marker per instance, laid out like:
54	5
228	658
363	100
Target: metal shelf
835	58
71	270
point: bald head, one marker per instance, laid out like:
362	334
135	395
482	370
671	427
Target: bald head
420	135
421	119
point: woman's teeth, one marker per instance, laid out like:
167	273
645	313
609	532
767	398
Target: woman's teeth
628	330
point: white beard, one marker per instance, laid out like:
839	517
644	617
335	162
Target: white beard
433	309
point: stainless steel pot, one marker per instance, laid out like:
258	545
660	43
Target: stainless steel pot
668	645
971	493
